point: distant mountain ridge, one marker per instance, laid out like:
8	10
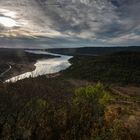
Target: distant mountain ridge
93	50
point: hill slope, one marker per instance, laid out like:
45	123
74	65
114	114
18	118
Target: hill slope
93	50
120	67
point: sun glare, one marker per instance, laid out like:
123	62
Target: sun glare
7	22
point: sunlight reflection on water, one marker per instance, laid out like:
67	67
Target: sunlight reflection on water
45	66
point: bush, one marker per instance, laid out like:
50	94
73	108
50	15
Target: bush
36	118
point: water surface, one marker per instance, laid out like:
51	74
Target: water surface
45	66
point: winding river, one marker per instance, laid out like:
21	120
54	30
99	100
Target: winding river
45	66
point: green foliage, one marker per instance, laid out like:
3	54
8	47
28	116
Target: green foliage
34	112
92	94
105	99
88	110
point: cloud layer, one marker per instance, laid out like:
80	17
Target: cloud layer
65	22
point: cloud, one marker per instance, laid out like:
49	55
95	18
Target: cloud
99	22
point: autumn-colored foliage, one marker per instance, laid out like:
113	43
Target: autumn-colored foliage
32	116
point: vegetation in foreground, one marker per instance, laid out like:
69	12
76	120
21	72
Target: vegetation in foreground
120	67
53	109
63	109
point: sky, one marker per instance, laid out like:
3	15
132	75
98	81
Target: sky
69	23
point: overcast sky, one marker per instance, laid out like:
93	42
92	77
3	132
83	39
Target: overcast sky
70	23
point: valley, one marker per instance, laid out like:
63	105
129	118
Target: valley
19	62
109	82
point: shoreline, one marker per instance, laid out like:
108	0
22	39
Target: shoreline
20	64
20	68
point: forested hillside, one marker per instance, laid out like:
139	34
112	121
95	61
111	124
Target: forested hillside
55	109
122	67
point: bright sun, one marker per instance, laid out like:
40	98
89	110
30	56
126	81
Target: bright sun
7	22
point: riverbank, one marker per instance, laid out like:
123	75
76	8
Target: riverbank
55	104
20	62
44	66
18	69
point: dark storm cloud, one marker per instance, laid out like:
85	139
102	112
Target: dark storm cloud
107	20
93	21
